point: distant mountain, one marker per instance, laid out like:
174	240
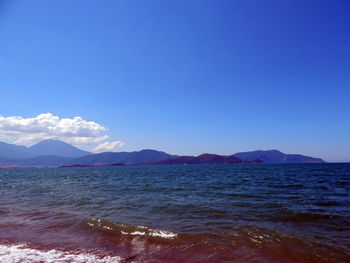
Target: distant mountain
43	148
57	148
275	156
204	159
121	157
57	153
12	151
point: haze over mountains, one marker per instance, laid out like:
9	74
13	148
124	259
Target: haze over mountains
53	153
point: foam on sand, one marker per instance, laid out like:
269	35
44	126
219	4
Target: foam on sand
22	253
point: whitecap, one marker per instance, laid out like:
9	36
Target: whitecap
22	253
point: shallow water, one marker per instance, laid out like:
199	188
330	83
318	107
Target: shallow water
198	213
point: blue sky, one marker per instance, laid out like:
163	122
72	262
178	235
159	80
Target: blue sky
185	77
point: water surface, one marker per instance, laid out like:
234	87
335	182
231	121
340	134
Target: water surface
186	213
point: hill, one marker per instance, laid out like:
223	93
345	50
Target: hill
275	156
204	159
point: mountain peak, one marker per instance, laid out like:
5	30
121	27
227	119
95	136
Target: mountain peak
272	151
58	148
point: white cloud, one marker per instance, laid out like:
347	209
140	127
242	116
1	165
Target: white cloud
26	131
86	140
108	146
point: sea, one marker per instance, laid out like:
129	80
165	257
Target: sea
176	213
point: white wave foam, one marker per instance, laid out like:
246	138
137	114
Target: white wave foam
128	229
21	253
151	232
164	234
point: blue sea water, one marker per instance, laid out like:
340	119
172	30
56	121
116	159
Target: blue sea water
179	213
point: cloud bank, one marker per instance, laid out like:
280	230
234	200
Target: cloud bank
76	130
108	146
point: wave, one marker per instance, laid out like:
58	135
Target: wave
22	253
129	229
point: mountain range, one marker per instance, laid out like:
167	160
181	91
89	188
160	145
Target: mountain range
143	156
205	158
53	153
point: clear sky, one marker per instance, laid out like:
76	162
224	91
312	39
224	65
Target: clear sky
185	77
